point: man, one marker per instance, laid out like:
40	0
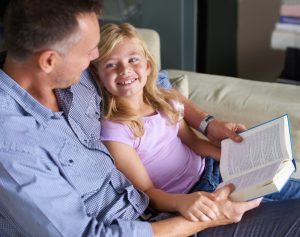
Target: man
56	177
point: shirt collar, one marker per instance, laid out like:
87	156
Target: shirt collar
41	113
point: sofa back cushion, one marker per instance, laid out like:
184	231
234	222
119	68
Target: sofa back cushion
246	101
152	40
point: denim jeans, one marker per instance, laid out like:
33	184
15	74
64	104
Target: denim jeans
210	177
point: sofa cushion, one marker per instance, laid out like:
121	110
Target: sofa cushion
181	83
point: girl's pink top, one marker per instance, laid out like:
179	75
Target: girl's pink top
171	165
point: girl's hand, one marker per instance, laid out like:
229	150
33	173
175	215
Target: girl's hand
197	206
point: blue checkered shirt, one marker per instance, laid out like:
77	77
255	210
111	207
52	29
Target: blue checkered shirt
56	176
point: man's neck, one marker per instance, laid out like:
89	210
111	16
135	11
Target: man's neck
30	79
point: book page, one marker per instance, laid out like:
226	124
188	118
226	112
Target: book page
258	177
259	148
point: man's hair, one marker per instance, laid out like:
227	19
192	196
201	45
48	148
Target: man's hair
31	26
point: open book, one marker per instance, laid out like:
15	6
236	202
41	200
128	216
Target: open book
262	163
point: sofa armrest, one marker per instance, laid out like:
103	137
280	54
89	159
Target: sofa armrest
246	101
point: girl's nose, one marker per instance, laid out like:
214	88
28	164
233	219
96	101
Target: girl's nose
124	70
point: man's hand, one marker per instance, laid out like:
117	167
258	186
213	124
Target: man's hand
229	212
203	206
232	212
218	130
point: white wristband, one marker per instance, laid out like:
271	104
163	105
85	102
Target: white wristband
204	123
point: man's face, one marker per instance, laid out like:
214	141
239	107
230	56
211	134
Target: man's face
78	57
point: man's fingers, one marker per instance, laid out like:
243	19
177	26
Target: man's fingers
252	204
224	192
235	137
240	127
233	134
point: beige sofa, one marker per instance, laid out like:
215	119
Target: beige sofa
234	99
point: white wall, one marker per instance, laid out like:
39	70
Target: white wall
256	59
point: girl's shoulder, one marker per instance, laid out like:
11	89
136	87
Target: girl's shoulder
110	124
115	131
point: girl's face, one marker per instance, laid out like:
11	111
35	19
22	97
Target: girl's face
125	70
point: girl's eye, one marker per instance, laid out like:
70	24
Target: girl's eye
133	60
111	65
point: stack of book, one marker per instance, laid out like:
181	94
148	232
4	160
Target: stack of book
287	31
286	36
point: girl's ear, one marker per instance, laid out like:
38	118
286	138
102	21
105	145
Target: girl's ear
149	68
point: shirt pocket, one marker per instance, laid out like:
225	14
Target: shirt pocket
83	168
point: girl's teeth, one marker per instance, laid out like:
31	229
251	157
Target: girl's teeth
126	82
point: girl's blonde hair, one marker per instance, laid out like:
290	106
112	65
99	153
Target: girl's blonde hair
115	108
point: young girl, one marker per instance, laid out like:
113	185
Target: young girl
145	133
144	130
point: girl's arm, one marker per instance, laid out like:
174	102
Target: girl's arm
195	143
195	206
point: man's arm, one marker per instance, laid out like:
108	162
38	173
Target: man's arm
42	203
198	145
217	130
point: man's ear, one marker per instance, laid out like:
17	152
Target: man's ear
47	60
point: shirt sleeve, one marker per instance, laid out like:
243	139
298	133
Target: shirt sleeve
117	132
43	203
163	80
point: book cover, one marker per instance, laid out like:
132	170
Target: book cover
289	20
290	10
287	27
283	39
